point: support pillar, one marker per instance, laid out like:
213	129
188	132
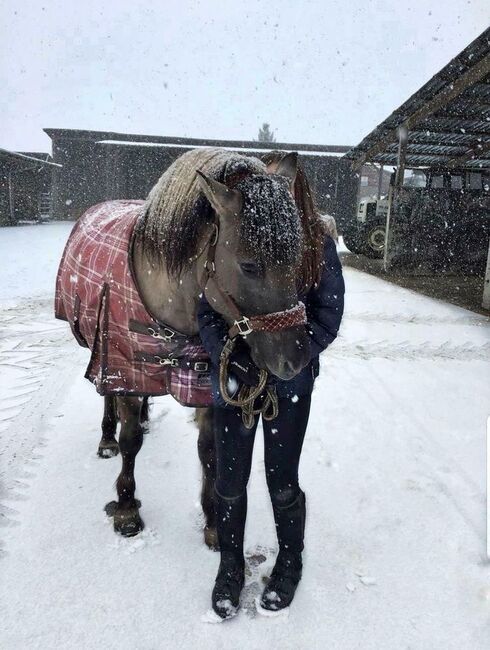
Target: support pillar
486	285
380	181
390	235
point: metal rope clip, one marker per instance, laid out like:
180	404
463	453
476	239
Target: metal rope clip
174	363
166	336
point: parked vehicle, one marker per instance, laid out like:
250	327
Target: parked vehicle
368	236
445	216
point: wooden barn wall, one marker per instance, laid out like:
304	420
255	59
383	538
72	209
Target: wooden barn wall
28	184
96	172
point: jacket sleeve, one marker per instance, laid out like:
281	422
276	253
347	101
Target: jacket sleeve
212	329
325	302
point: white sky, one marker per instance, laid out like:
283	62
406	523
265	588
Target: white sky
320	71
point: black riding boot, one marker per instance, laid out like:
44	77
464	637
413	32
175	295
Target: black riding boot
230	525
290	527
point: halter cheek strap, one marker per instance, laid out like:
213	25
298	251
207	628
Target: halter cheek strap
244	325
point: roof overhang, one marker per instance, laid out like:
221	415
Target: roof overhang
447	121
17	159
156	140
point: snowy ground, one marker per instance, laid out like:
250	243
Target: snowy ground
393	468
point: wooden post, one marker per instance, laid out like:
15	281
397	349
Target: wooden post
380	181
486	286
11	199
393	193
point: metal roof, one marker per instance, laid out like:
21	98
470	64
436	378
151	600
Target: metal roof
448	119
16	158
115	138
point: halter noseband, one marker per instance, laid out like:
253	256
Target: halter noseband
244	325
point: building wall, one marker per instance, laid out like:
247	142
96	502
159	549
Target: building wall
28	182
94	172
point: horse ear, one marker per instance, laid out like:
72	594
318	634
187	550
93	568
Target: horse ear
224	200
288	166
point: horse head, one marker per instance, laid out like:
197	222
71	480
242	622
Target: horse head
257	255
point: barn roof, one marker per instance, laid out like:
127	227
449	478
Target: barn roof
110	137
15	158
448	119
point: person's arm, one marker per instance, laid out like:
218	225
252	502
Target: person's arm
213	331
325	303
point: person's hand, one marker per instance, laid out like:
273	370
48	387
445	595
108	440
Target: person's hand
244	369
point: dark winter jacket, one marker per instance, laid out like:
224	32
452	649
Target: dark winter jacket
324	308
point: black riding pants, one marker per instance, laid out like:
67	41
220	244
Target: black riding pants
283	441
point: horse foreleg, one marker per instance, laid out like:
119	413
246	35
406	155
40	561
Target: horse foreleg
108	446
127	520
207	456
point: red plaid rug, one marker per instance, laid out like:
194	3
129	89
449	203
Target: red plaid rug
97	295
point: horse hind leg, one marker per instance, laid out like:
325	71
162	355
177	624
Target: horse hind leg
145	415
108	446
127	520
207	456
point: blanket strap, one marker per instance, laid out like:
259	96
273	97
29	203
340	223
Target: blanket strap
173	362
163	332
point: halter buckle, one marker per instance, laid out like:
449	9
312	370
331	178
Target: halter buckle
210	267
243	326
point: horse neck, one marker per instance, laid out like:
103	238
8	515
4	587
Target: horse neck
172	301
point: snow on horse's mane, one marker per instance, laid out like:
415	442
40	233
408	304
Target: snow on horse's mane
270	229
176	211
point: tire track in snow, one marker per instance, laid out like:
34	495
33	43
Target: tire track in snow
36	358
31	342
23	440
368	349
417	319
428	456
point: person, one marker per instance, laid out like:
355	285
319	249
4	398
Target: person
321	289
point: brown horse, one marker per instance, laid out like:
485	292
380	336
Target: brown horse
250	218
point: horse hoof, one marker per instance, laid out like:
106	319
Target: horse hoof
111	507
128	522
108	449
211	538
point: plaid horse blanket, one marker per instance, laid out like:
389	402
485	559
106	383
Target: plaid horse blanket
132	353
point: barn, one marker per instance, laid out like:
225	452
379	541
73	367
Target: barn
25	185
98	165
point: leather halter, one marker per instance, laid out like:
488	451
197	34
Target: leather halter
244	325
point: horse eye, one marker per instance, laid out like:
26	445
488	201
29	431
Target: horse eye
250	269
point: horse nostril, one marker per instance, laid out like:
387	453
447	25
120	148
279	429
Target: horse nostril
288	370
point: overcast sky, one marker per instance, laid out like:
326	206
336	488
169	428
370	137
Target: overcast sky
320	71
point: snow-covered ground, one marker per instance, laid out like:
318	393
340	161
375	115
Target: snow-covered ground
393	467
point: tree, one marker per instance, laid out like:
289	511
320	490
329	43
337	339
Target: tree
265	133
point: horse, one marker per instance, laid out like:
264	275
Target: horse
213	205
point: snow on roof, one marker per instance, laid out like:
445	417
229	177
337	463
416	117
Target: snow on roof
183	146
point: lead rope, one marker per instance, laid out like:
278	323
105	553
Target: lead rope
247	395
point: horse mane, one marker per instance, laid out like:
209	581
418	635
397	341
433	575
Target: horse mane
176	212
